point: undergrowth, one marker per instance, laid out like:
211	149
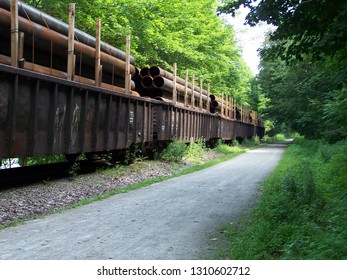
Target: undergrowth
195	151
302	213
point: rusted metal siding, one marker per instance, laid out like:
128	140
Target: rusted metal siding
43	115
227	129
185	124
242	130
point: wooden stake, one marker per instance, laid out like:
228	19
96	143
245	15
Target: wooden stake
222	109
174	91
200	101
186	90
127	66
242	113
71	43
21	50
208	97
97	53
193	97
14	33
235	109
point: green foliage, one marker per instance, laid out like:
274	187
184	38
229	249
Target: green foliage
37	160
235	143
195	151
133	153
255	140
188	33
73	170
302	212
308	97
335	112
227	150
303	27
174	152
303	65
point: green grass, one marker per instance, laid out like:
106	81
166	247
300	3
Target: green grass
302	213
275	138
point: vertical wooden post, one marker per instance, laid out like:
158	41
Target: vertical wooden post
227	106
186	90
200	101
222	109
193	97
97	53
71	43
174	91
14	33
208	97
127	66
21	50
235	109
241	112
231	108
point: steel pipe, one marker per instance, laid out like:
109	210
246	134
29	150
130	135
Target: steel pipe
167	85
109	62
157	71
54	24
144	72
147	82
60	74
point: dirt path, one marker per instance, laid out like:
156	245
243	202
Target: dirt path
176	219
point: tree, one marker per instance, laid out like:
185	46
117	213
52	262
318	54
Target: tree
188	33
315	27
309	97
303	64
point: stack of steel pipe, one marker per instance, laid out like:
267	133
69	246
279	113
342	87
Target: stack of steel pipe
156	82
45	45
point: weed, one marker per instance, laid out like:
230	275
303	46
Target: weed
255	140
226	149
174	152
195	151
74	169
246	142
235	143
132	153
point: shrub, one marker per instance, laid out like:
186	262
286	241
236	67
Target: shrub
255	140
195	151
226	149
174	152
235	143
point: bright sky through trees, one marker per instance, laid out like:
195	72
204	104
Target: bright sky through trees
250	39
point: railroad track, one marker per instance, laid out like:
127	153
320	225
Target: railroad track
22	176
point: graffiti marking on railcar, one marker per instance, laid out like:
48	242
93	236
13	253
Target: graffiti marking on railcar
3	97
59	122
131	119
75	124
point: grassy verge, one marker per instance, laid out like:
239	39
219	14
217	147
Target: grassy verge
302	213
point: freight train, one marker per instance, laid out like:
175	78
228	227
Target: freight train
63	91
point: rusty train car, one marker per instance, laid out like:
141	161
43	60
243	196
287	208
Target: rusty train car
42	112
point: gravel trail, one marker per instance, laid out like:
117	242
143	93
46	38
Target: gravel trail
175	219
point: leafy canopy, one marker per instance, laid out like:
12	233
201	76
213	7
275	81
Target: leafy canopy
303	64
163	32
317	27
